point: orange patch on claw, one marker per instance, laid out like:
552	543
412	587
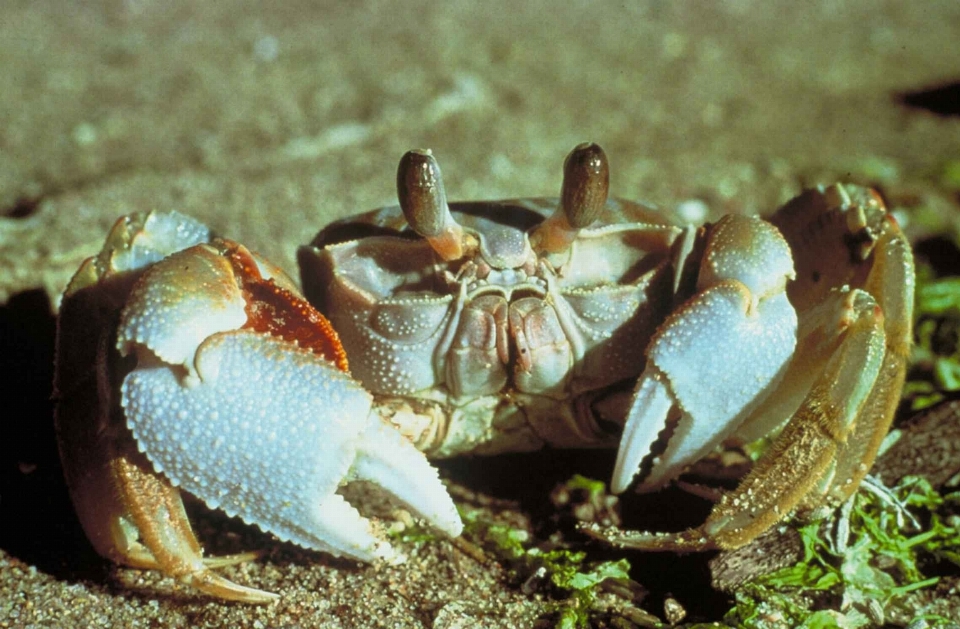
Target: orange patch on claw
279	312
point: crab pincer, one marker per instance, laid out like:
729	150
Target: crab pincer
835	394
717	356
241	395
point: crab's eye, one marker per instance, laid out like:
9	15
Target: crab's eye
586	180
424	203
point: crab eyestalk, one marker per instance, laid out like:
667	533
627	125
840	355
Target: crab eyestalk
424	204
586	181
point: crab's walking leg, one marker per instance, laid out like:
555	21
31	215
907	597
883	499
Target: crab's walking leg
166	540
848	238
801	459
891	281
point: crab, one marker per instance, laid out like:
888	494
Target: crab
187	362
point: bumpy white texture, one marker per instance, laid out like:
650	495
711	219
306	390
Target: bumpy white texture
162	233
718	360
718	356
268	434
749	250
179	302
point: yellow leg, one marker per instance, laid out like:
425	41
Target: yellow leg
891	281
155	509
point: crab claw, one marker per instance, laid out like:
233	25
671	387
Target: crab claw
716	357
246	403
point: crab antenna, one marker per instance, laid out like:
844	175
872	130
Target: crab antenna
586	180
424	203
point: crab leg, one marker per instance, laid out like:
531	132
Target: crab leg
892	279
716	357
239	393
849	239
839	412
135	517
166	540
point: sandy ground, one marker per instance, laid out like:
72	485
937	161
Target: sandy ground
269	122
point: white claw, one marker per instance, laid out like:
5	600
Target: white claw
717	357
721	373
268	433
341	530
715	361
389	460
648	413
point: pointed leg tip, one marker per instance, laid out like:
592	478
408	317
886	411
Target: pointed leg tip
260	597
231	560
215	585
